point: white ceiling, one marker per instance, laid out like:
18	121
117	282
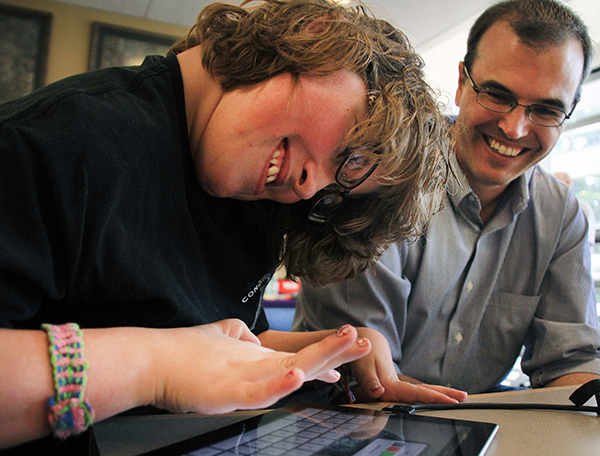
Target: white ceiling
437	29
421	20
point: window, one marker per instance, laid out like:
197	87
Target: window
578	154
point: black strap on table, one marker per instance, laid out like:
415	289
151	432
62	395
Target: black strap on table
579	397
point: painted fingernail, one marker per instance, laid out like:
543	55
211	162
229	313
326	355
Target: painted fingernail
362	341
343	330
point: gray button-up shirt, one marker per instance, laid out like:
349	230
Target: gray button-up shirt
458	304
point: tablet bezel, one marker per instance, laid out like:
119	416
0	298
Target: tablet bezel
476	442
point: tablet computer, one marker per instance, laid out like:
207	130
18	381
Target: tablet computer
320	430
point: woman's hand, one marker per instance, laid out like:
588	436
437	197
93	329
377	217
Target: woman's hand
378	380
222	367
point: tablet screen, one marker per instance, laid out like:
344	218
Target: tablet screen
307	430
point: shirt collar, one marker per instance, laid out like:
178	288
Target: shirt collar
517	195
457	186
521	190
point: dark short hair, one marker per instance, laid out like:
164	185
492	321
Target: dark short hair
537	23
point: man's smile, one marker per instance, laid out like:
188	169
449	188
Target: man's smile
503	149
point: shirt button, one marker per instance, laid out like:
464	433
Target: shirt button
469	286
458	338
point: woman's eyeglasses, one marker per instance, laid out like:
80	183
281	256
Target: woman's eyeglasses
354	170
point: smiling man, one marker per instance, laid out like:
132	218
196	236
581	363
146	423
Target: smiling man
511	118
505	264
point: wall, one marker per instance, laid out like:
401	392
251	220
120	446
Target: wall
71	30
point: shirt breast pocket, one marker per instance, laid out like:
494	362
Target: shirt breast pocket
506	320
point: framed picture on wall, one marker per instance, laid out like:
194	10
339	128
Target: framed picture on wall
23	50
123	46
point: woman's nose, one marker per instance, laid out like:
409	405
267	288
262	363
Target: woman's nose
312	179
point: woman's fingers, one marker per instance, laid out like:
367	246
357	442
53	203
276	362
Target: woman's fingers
415	394
318	360
242	373
265	393
376	375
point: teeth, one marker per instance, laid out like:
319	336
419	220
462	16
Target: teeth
273	172
274	168
275	156
502	149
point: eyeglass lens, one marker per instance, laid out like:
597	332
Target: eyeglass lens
329	200
543	115
355	169
539	114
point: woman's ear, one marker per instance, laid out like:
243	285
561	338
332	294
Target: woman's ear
315	26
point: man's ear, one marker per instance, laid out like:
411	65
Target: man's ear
461	83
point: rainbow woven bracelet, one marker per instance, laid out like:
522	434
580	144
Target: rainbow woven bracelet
69	413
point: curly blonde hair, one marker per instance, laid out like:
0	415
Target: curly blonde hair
246	45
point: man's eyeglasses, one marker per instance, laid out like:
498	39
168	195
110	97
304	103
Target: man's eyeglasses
546	116
354	170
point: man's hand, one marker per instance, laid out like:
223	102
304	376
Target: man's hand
572	379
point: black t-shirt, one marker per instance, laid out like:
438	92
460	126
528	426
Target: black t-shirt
102	221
